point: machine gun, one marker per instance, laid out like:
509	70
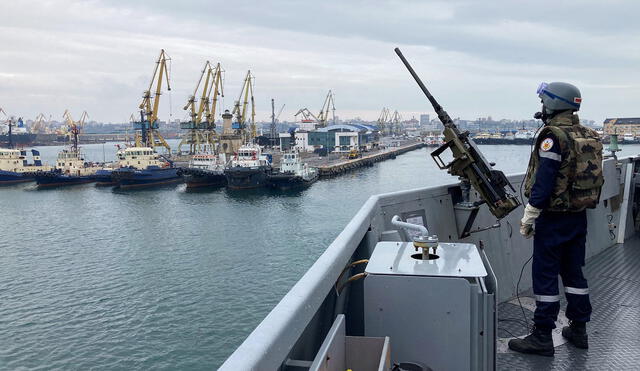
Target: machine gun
469	164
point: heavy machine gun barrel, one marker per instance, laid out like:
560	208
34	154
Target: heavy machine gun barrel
468	162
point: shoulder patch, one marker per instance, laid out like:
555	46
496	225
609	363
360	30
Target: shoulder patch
546	144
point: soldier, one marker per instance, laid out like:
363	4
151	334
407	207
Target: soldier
563	179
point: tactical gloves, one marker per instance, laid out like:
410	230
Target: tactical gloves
526	223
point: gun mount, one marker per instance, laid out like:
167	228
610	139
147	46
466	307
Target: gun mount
469	164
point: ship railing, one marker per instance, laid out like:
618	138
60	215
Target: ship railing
269	345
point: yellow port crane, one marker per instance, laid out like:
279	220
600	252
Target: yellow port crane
383	120
329	104
147	134
241	113
201	126
41	125
73	128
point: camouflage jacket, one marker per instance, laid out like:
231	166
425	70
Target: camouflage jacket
579	176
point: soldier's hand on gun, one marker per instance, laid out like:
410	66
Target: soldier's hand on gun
526	223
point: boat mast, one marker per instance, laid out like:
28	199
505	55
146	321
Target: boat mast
74	127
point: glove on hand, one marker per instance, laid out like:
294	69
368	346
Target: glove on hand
526	223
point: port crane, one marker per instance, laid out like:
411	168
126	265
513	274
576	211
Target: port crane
147	134
274	120
201	126
41	125
72	128
240	113
384	120
307	116
395	128
329	104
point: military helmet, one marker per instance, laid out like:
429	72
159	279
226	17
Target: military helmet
559	96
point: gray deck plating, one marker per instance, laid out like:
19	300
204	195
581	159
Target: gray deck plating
614	330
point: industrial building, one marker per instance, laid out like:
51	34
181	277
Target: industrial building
629	126
335	138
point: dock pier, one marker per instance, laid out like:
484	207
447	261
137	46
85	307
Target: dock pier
343	166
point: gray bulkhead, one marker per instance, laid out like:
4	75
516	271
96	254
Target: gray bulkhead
291	334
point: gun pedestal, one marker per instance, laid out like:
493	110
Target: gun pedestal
465	210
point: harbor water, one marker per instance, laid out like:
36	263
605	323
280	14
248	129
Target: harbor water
94	278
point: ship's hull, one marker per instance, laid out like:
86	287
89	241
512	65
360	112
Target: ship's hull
56	179
286	182
247	177
104	178
12	177
22	139
127	178
198	178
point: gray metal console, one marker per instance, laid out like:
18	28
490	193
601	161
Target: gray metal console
438	312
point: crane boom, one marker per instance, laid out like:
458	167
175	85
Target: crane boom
148	135
329	103
246	97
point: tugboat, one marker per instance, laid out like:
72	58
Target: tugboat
71	168
293	173
103	176
141	167
249	168
14	166
205	170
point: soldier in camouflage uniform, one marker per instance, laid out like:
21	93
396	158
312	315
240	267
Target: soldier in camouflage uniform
563	180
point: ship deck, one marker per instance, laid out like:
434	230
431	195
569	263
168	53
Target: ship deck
614	330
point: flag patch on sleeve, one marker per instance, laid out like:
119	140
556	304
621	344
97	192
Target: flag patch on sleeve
546	144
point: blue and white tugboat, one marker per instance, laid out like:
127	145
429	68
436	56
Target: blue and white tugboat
142	167
71	167
14	166
293	173
249	168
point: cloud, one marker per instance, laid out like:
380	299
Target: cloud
479	58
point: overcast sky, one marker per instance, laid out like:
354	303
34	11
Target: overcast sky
478	58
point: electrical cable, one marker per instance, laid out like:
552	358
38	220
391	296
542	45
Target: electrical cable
507	331
524	316
518	289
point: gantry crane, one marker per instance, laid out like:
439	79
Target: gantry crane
147	134
201	126
241	113
329	104
73	128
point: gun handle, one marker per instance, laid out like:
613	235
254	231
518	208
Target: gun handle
436	156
